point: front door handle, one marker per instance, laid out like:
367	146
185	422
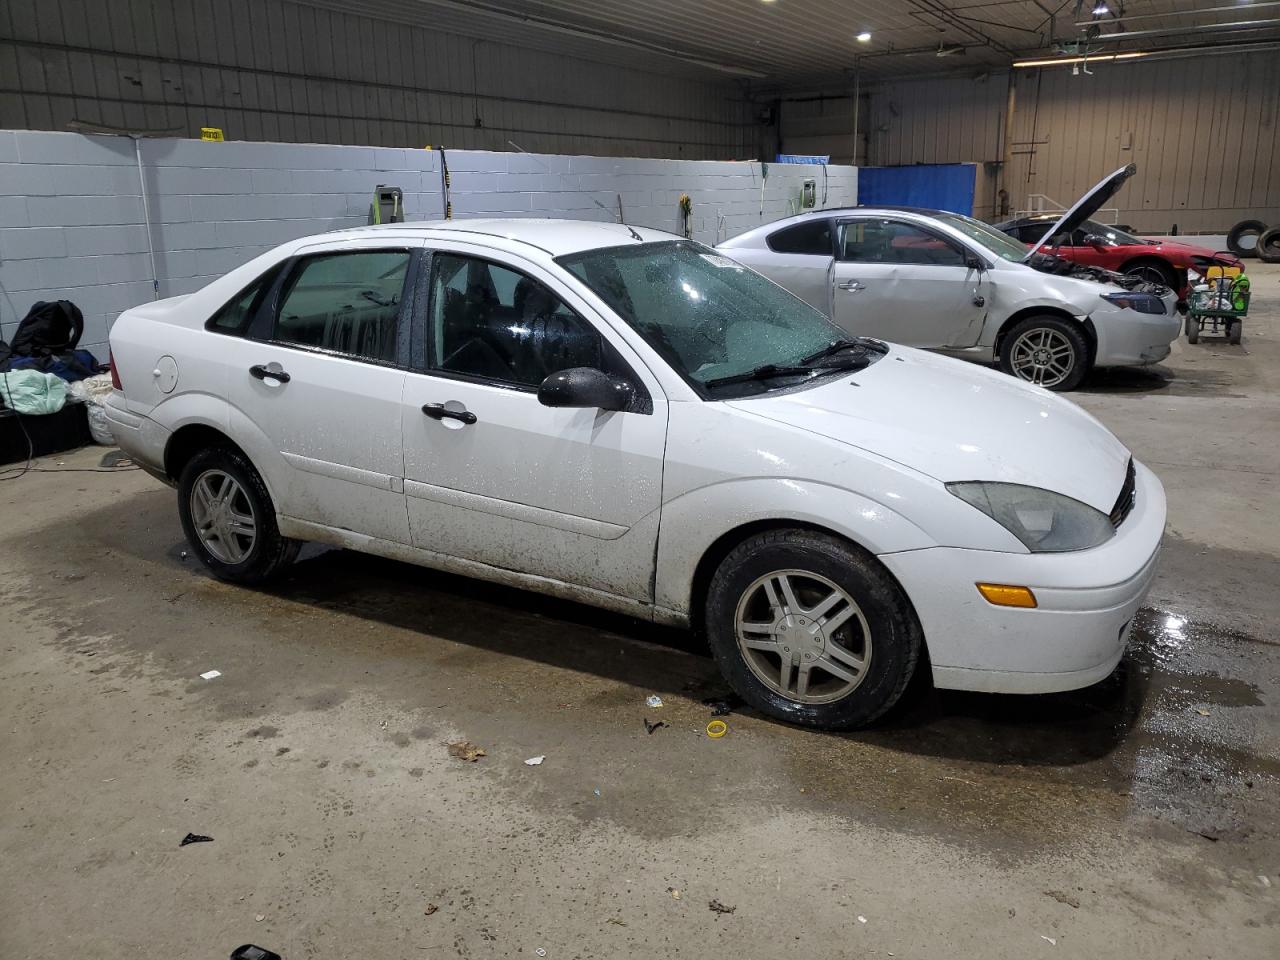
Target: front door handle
853	286
272	371
438	411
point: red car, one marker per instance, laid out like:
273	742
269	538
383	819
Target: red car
1099	245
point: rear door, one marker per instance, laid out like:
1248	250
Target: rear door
902	282
317	383
798	258
492	475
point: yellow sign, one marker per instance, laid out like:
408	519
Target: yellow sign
211	133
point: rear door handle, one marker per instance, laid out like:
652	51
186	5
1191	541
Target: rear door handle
851	285
438	411
269	370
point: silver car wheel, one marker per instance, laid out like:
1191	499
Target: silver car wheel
223	516
1043	356
803	636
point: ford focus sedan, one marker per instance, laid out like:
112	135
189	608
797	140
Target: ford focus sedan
629	419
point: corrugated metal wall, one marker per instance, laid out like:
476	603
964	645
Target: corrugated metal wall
274	70
1203	132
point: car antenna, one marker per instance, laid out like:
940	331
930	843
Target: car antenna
633	233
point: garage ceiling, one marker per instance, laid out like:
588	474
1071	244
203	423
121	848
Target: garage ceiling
795	43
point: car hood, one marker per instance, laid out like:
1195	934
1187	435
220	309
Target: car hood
955	421
1086	206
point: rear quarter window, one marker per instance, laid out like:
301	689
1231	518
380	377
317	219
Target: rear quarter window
812	237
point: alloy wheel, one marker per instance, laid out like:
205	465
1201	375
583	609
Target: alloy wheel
803	636
223	516
1043	356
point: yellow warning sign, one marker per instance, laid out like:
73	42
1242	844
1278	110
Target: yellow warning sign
211	133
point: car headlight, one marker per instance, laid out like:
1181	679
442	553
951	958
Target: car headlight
1142	302
1045	522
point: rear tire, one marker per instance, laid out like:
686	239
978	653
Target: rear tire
1237	329
837	648
229	519
1243	229
1047	351
1269	246
1193	330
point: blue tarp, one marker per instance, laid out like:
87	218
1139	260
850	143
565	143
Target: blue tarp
937	186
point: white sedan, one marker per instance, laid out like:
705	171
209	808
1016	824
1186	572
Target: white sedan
631	420
942	281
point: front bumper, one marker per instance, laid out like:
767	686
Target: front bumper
1127	338
1076	635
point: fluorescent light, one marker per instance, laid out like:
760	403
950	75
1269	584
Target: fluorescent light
1101	9
1066	61
864	37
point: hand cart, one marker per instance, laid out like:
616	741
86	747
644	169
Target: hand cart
1222	301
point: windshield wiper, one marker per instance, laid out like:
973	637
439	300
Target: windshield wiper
832	349
761	373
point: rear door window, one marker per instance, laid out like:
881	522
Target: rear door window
347	303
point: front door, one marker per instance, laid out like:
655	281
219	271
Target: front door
492	475
900	282
319	379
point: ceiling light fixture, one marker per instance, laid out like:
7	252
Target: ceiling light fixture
864	37
1101	10
1067	61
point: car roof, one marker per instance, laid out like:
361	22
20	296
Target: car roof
554	237
757	233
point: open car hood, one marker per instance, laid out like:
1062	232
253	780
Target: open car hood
1086	206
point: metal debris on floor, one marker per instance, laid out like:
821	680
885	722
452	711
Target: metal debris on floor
210	674
252	952
1052	941
535	761
653	700
675	894
195	838
715	906
429	909
650	727
722	706
465	750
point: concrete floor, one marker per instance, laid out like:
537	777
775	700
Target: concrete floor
1139	818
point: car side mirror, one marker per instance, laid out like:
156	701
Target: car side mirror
1097	241
586	387
974	262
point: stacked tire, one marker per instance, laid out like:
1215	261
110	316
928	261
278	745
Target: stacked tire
1253	238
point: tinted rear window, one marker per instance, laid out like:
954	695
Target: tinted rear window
811	237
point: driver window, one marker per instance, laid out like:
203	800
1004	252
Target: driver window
345	302
895	242
494	323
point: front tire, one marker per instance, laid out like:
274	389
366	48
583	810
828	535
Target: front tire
1155	271
229	519
809	629
1047	351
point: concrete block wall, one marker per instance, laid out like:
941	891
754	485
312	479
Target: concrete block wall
726	195
72	222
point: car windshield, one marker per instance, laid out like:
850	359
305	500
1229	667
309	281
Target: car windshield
1001	244
1113	234
713	319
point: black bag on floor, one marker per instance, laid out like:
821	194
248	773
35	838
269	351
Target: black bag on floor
50	327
